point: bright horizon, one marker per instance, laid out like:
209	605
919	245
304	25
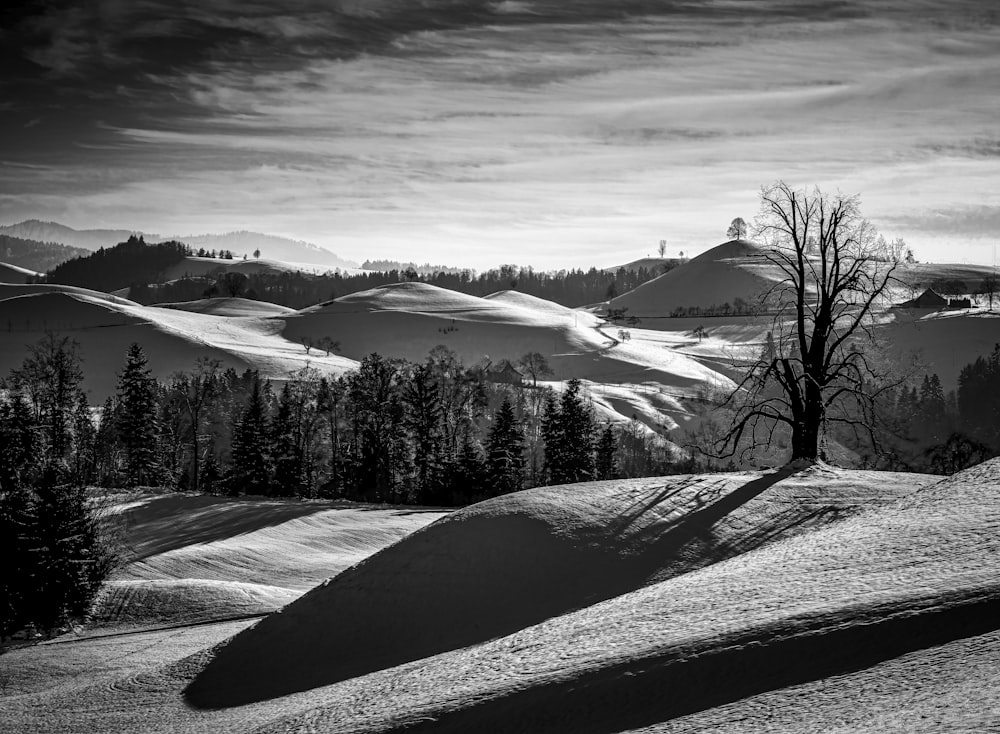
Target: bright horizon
477	134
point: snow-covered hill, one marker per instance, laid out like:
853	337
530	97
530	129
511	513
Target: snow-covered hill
817	599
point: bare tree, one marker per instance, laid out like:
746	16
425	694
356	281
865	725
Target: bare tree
234	283
195	392
813	369
663	248
737	229
989	285
535	364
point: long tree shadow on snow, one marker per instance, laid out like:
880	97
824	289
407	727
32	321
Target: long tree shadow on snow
637	694
466	582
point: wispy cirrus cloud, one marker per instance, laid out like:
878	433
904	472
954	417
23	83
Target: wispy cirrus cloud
484	132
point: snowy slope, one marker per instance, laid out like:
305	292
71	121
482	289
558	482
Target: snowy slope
15	274
104	326
829	600
196	558
875	585
481	572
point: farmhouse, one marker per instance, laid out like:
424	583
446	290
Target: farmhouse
506	373
927	299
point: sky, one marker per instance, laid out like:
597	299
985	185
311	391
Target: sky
470	133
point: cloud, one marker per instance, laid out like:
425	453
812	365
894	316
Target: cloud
548	129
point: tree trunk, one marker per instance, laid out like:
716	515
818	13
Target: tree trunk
806	427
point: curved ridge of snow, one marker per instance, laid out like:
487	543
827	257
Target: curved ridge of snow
11	290
879	584
511	562
235	307
15	273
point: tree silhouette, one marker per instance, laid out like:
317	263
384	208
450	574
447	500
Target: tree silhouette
737	229
814	369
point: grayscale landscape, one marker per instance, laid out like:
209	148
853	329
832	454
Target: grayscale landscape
373	366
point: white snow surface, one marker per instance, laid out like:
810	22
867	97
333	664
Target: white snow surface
824	600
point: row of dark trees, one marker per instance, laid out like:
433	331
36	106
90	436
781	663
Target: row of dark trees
438	432
299	290
140	266
56	551
35	255
939	432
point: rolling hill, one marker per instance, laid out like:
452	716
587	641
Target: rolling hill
15	274
240	243
809	599
34	255
239	334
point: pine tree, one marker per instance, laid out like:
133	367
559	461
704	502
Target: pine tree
73	556
377	416
423	418
19	443
83	441
107	449
505	460
287	462
606	466
17	581
331	399
931	413
50	378
252	468
138	427
568	431
467	474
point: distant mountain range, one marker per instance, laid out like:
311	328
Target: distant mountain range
35	255
240	243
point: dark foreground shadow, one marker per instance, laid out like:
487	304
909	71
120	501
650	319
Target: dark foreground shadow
466	582
639	694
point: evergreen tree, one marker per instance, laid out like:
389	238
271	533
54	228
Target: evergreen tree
73	556
468	473
424	419
931	411
606	466
377	417
505	460
979	399
83	442
17	582
287	461
568	431
331	399
19	442
251	461
137	414
50	378
107	449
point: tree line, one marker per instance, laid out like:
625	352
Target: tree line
299	290
933	431
139	266
437	432
35	255
434	433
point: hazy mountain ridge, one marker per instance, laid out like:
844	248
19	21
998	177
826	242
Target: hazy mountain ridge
36	255
240	242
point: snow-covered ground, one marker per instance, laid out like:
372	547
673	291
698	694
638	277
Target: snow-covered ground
15	273
657	370
821	600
